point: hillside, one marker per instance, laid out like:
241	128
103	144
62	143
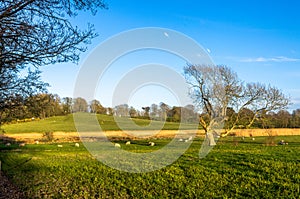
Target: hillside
107	123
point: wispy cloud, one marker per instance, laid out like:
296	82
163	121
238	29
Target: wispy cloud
270	59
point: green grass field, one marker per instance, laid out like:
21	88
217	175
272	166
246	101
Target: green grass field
235	168
66	124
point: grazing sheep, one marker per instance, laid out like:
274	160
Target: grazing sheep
282	142
128	143
151	143
22	144
190	138
7	144
37	142
76	145
180	140
117	145
253	139
59	146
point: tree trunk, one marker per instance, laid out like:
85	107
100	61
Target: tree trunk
208	145
210	138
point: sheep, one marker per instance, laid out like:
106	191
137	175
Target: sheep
253	138
59	146
117	145
76	145
7	144
22	144
151	143
128	143
37	142
282	142
189	139
180	140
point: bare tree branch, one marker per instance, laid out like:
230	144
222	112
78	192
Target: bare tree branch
217	89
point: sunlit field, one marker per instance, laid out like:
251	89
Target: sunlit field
235	168
66	124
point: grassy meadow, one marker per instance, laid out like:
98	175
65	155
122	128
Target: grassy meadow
107	123
236	167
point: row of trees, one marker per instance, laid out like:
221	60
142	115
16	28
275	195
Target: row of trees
47	105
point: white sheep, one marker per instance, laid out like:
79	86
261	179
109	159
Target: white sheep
190	138
37	142
117	145
59	146
7	144
76	145
151	143
22	144
128	143
180	140
282	142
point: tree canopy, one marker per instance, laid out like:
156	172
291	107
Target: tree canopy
39	32
35	33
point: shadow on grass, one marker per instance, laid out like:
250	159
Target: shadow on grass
7	146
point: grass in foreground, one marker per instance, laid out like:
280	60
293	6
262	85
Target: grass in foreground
234	169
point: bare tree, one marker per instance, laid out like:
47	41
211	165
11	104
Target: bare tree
215	89
146	110
38	32
67	105
164	109
79	105
121	110
96	107
154	111
133	112
35	33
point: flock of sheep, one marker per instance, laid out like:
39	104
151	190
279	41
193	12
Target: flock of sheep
153	143
37	142
115	144
128	143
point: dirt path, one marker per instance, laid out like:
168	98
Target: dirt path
8	190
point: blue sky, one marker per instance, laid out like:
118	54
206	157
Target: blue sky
258	39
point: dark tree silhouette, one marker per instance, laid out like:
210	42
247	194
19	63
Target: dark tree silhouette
35	33
38	32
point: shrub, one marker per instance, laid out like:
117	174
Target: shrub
48	136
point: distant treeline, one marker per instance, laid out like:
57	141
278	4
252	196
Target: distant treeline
47	105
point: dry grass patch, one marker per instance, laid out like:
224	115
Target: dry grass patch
134	135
